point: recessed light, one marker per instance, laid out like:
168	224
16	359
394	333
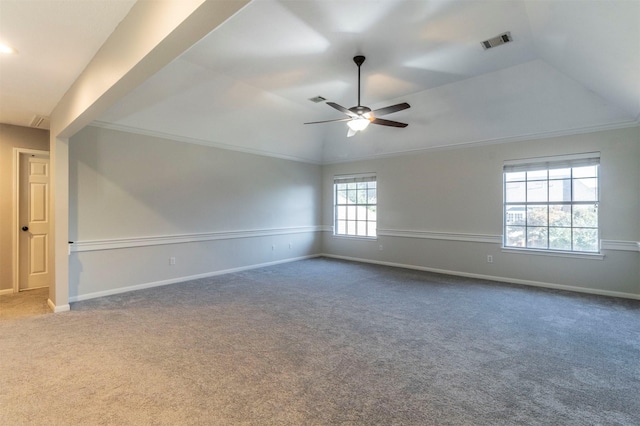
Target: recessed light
7	50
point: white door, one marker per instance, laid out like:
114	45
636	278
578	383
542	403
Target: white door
34	218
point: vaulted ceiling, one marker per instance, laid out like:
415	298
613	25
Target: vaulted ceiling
573	66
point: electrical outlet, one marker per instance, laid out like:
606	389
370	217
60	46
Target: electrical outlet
290	245
489	259
380	247
172	261
273	247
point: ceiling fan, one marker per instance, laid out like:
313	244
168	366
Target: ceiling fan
360	116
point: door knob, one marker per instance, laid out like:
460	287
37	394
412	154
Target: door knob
25	228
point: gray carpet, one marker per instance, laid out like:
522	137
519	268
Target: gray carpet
327	342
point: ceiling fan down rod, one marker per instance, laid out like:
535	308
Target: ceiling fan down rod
359	60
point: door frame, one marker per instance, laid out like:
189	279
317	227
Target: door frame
17	152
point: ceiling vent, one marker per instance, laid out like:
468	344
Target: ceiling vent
317	99
40	122
497	40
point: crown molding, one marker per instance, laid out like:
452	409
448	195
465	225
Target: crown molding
196	141
494	141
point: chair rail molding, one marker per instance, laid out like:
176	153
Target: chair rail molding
448	236
119	243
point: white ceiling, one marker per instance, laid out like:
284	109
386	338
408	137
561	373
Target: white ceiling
55	40
574	66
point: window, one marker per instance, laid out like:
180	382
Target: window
552	203
354	201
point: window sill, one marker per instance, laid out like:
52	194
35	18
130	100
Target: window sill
354	237
566	254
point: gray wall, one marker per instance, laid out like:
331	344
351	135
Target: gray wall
12	137
448	207
136	201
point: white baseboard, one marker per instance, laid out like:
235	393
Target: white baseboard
6	291
119	290
57	309
494	278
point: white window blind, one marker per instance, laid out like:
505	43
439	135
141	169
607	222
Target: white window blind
364	177
552	163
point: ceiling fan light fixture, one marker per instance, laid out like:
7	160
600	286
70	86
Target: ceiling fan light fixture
356	124
359	117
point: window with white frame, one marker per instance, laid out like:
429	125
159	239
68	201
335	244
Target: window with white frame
552	203
355	205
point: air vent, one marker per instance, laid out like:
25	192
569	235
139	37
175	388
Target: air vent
317	99
497	40
40	122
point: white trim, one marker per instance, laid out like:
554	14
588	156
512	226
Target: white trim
136	287
368	177
58	309
494	141
497	239
15	210
482	142
6	291
119	243
448	236
567	254
620	245
195	141
355	237
494	278
326	228
562	158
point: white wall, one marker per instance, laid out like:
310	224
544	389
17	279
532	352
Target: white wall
136	201
442	210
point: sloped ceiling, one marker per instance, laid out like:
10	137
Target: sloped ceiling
573	67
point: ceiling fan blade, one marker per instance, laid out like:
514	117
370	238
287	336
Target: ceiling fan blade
342	109
390	109
361	115
390	123
328	121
